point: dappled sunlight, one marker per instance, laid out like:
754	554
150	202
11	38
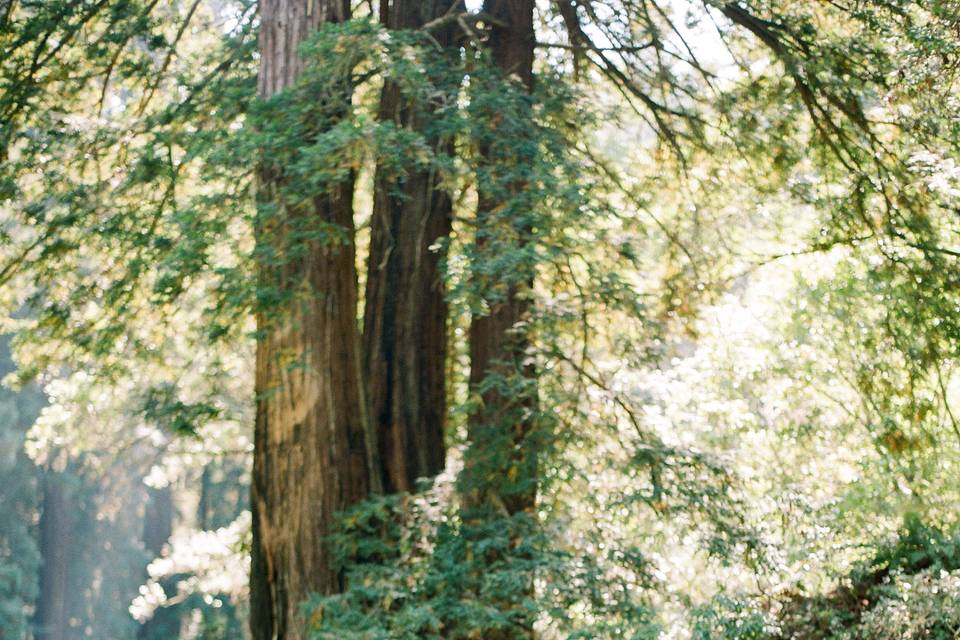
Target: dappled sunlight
495	320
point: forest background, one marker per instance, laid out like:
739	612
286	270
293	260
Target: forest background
507	319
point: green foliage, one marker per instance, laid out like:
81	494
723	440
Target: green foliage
162	407
907	589
127	208
830	134
726	618
416	569
924	605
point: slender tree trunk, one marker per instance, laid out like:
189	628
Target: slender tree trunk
310	453
203	507
157	528
157	520
405	317
56	529
499	462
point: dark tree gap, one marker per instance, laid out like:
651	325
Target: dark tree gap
405	316
311	459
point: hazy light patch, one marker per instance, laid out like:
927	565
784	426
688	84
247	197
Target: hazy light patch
696	28
231	17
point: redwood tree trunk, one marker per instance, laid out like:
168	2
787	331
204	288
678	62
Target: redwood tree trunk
310	456
405	317
512	38
498	461
500	478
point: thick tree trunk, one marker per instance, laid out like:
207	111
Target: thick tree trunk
405	316
498	462
499	479
310	456
56	529
512	38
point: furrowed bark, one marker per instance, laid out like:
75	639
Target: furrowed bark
498	341
512	39
310	455
405	316
499	480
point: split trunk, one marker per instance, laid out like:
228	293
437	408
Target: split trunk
405	318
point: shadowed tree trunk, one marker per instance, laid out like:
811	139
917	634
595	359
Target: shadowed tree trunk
405	317
497	461
56	530
499	480
204	506
310	456
157	528
157	519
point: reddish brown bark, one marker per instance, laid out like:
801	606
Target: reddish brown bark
310	452
498	340
405	317
500	465
512	38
